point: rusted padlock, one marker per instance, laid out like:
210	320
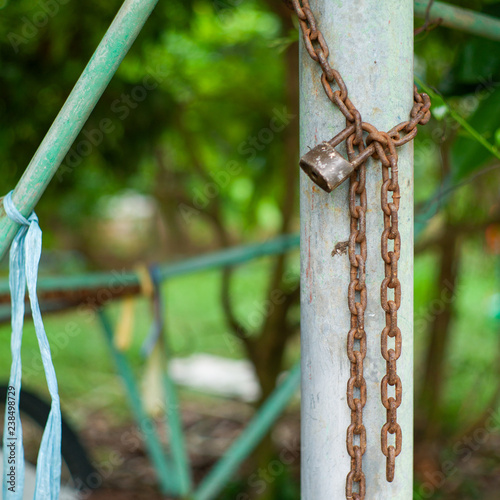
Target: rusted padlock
326	167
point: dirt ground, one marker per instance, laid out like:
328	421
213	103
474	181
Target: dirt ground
125	472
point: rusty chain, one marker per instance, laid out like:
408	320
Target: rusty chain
391	281
357	299
382	146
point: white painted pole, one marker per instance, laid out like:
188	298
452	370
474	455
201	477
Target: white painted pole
371	44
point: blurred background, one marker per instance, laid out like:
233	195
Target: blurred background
193	148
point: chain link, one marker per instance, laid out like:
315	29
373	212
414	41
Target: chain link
356	340
382	146
390	209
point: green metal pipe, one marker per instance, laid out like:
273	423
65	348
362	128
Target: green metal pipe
166	478
178	450
231	256
77	108
225	468
460	19
227	257
173	425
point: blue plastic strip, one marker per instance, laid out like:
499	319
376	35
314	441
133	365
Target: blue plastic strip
25	255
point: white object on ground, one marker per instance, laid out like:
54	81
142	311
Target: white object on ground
217	375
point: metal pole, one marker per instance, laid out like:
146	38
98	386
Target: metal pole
460	19
371	45
77	108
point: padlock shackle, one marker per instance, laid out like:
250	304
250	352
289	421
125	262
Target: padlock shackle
363	156
343	136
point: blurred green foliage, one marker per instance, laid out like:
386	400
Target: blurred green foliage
217	78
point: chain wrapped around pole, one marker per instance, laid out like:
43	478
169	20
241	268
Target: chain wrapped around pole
382	146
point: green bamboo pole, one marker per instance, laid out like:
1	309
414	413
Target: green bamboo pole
460	19
77	108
